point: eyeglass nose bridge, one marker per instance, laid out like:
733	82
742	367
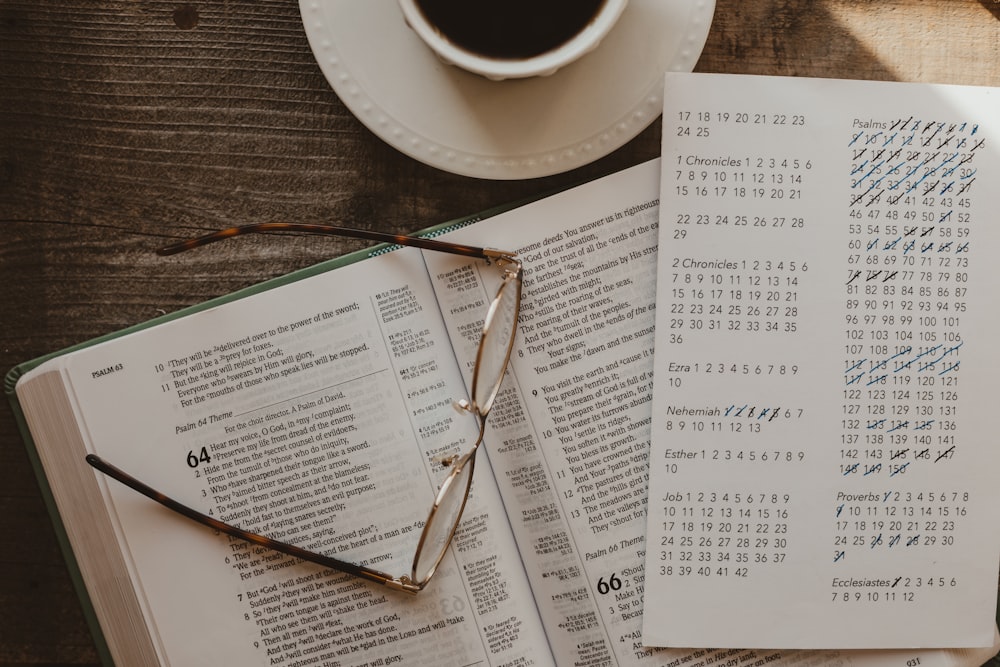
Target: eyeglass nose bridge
446	461
462	406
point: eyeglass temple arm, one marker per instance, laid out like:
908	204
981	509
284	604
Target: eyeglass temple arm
108	469
330	230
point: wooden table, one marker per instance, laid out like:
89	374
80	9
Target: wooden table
125	123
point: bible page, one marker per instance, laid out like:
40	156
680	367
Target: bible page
317	413
822	469
567	438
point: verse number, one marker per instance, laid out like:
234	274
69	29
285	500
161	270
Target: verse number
684	131
612	584
194	460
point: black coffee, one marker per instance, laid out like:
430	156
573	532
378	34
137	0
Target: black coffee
509	29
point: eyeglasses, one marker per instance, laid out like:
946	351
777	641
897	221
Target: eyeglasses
495	345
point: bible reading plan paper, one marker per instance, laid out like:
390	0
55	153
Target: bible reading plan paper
822	465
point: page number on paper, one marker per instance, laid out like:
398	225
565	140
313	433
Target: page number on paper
612	583
196	459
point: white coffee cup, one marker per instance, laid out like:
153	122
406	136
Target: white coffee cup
466	53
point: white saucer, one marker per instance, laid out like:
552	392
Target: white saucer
512	129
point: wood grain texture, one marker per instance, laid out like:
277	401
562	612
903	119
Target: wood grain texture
126	123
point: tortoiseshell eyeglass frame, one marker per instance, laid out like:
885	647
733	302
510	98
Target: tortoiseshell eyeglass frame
509	264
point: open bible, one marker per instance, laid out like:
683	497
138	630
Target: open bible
317	409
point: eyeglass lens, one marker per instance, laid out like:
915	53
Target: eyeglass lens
443	520
494	349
